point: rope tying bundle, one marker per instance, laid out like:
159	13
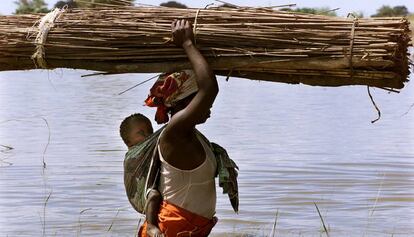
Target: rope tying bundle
351	44
45	25
195	26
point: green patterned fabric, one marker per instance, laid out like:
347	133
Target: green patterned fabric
137	164
136	168
227	173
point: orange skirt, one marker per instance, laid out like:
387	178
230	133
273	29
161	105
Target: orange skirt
176	221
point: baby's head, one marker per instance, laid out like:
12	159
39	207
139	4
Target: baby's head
134	129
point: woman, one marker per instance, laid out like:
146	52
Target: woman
188	165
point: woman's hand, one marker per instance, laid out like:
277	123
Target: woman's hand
182	32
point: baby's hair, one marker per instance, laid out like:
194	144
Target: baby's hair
128	121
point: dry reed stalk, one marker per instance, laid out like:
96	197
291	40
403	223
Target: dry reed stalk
254	43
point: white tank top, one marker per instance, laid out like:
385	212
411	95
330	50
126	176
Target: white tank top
193	190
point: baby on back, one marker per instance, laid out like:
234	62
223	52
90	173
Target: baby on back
135	129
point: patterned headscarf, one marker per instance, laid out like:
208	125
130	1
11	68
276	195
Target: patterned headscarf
168	90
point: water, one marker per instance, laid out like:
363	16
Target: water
295	145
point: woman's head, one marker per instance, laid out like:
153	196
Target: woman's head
134	129
171	93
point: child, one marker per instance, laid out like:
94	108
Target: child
133	130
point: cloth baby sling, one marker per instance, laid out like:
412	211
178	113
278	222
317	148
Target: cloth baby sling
142	164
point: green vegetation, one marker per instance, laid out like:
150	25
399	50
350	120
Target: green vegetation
173	4
31	6
69	3
39	6
97	3
317	11
386	10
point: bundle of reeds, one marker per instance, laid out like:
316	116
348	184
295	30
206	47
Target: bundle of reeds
255	43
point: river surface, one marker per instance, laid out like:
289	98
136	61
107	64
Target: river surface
296	146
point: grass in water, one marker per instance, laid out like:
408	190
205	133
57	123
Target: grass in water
48	142
323	222
79	220
44	214
110	227
7	147
273	232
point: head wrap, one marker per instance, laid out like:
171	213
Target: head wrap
168	90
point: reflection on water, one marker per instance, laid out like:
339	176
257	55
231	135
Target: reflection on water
296	145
